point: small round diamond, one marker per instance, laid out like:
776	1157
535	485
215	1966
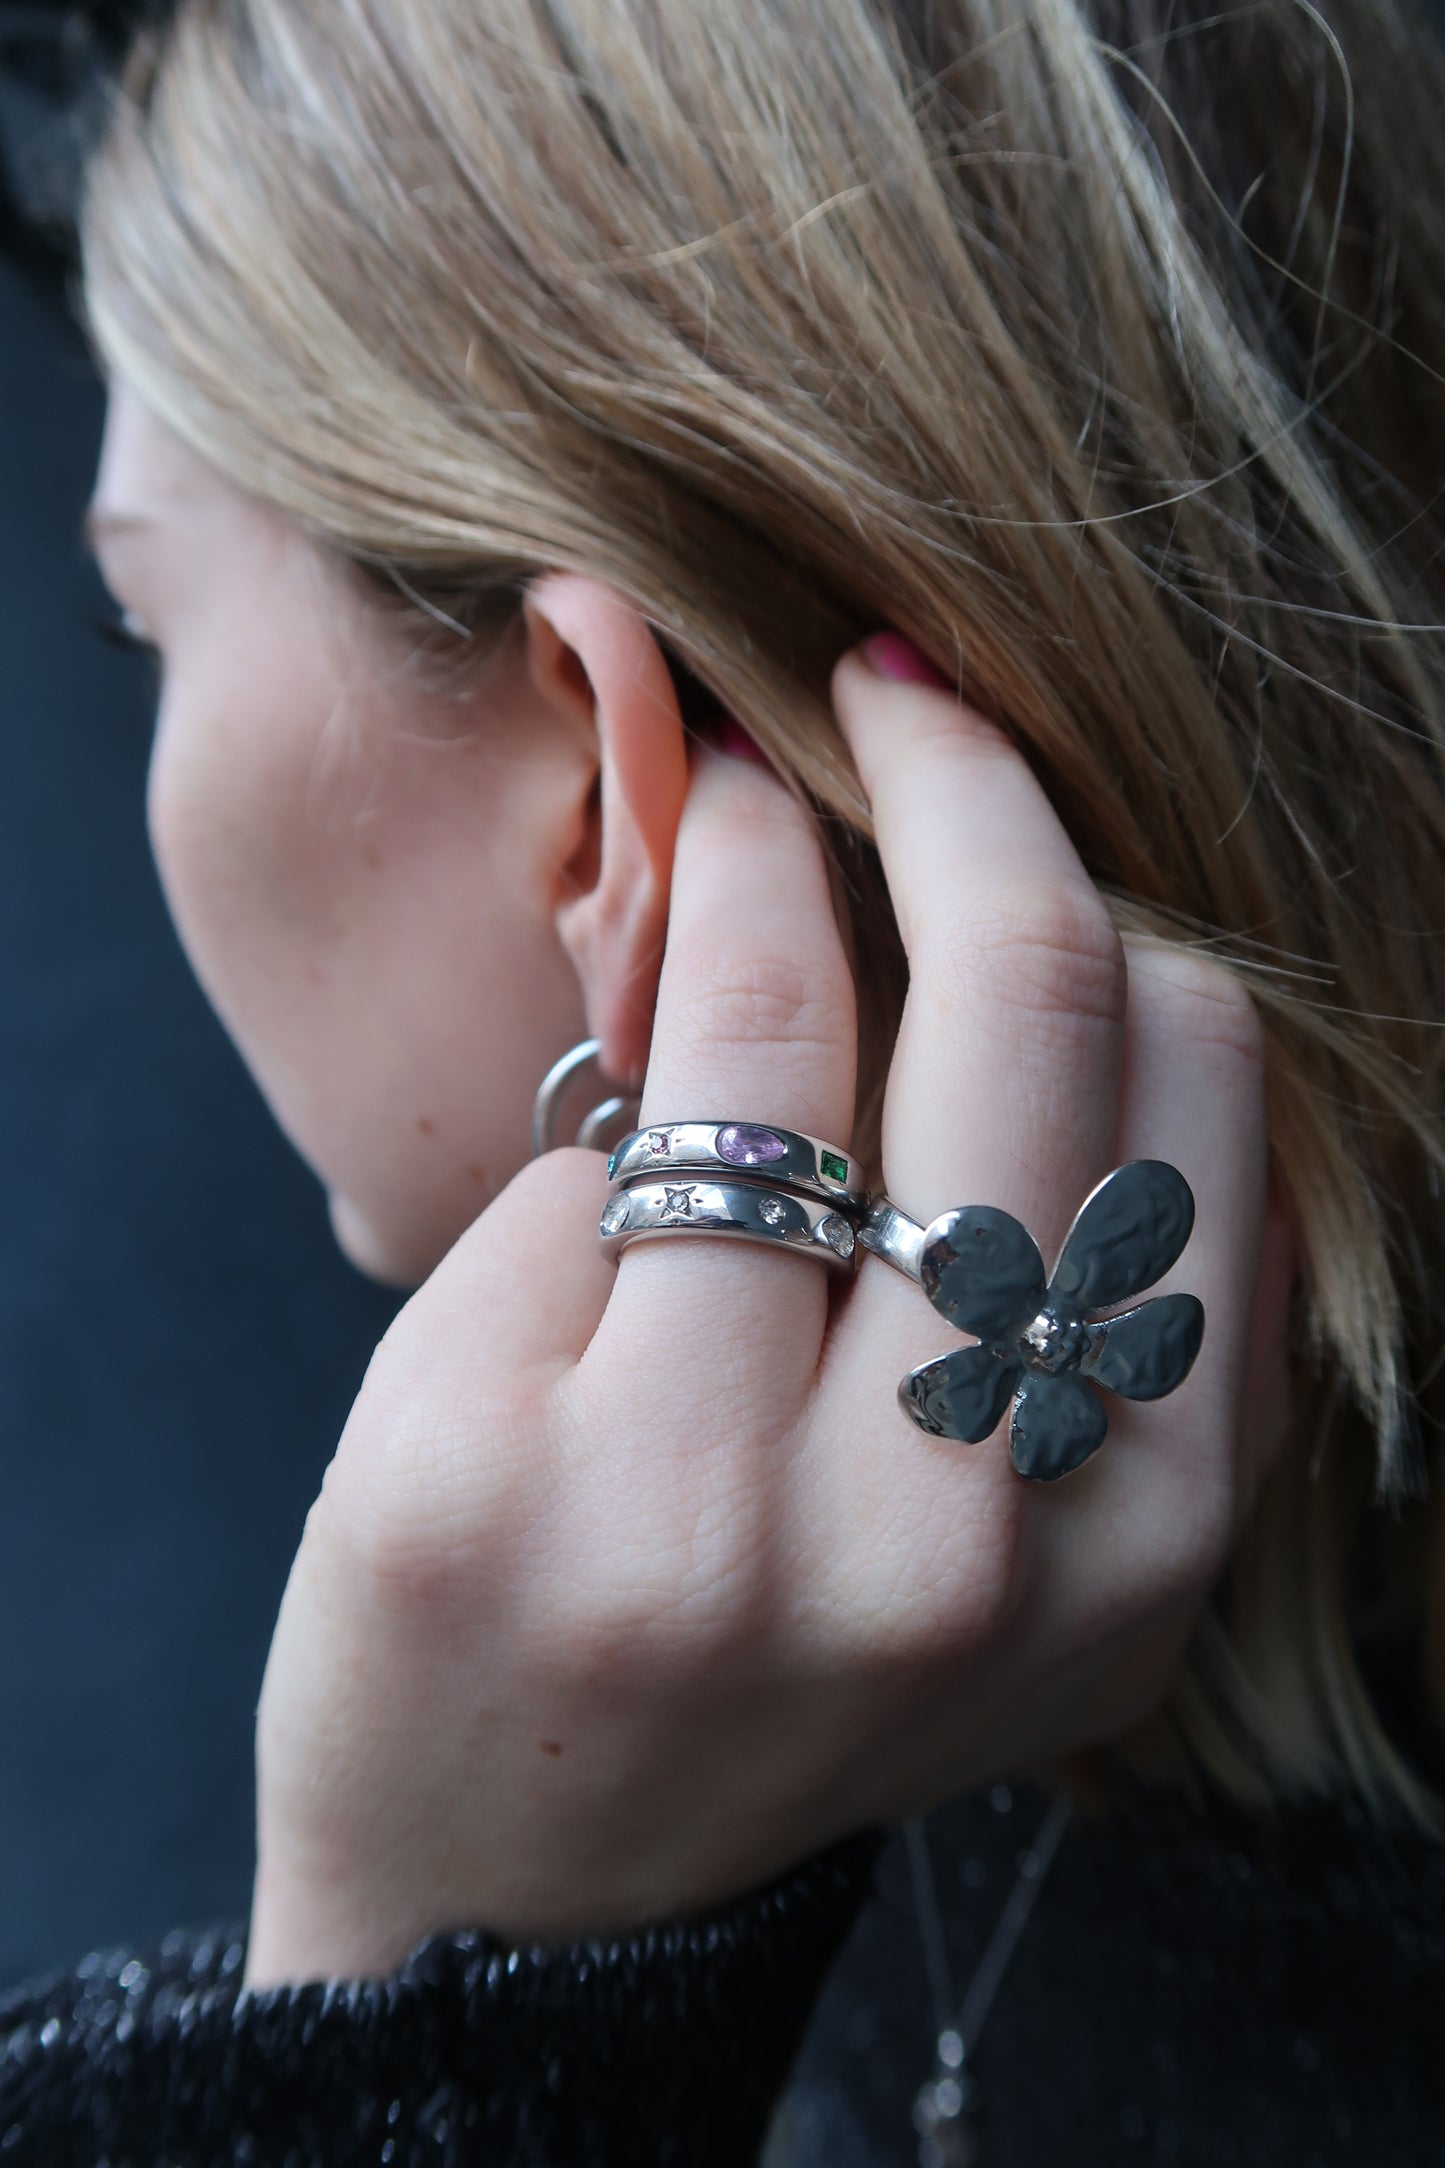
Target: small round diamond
616	1215
773	1212
657	1143
744	1144
838	1234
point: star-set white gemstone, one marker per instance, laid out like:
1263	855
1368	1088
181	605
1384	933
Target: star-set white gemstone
838	1234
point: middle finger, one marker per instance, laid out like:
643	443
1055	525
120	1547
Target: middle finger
1004	1087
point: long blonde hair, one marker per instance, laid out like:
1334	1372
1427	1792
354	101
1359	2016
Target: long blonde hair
1098	346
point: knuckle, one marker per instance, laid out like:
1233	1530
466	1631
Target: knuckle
1186	1552
660	1551
379	1551
1050	950
950	742
1204	1002
592	1641
941	1585
1211	1532
420	1498
657	1617
758	1000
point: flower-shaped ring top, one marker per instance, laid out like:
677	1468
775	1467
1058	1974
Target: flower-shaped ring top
981	1269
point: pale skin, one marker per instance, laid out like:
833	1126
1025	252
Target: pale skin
629	1585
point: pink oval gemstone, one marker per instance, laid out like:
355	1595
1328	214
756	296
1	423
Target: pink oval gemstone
743	1144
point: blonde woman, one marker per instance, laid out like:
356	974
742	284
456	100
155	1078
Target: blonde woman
881	564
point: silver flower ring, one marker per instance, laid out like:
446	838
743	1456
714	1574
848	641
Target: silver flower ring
1040	1351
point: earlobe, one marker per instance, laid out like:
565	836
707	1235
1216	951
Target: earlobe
595	660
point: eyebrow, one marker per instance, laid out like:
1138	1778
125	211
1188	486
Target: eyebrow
98	524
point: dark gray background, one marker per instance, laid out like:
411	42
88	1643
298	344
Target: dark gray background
179	1338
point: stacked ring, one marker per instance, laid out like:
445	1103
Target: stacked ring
744	1211
780	1157
746	1181
1041	1343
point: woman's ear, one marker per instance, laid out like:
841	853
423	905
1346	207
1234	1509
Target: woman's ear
594	658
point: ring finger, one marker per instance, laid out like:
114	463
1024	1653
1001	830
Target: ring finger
755	1022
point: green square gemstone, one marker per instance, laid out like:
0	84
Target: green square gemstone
834	1168
611	1165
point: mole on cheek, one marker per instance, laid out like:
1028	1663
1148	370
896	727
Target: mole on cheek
425	1125
550	1746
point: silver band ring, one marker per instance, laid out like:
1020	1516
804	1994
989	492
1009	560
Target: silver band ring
755	1151
733	1210
1038	1351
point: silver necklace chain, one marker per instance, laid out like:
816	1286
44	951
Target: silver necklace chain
945	2111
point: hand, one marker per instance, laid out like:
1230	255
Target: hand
629	1586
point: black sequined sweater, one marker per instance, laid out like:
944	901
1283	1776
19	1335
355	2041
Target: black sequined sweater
1196	1986
666	2046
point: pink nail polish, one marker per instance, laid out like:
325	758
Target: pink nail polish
732	738
893	655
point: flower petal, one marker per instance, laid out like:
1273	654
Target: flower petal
961	1394
1126	1234
1145	1353
981	1269
1057	1423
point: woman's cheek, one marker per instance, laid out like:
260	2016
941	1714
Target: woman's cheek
188	858
364	914
245	872
229	831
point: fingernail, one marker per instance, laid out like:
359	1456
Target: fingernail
732	738
893	655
